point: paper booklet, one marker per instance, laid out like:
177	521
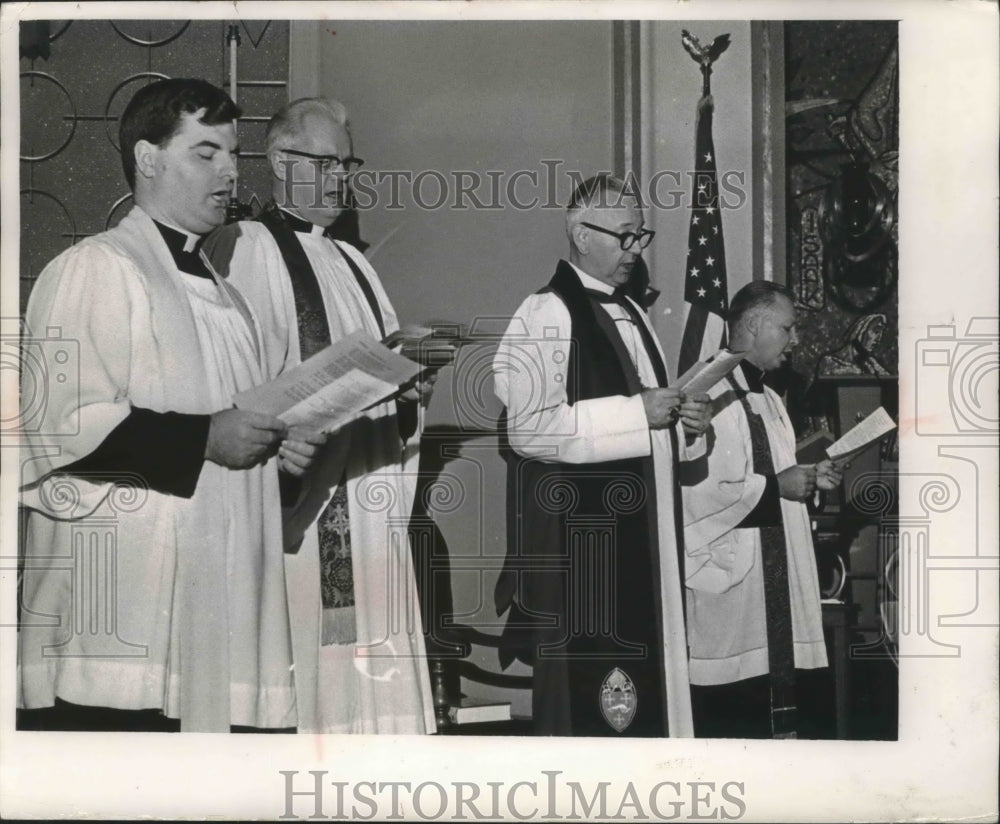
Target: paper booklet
333	386
703	376
863	435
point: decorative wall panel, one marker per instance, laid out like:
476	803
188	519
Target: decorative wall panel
842	140
76	78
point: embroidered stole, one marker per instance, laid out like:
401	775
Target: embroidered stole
333	526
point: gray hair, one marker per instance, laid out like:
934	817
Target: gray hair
601	190
288	122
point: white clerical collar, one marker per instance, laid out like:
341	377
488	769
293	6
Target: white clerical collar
300	224
590	282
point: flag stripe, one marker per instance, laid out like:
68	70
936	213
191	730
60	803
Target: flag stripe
706	290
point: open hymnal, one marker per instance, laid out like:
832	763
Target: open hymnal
705	374
862	435
334	386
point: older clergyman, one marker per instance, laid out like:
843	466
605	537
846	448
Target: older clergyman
360	665
753	593
593	566
143	475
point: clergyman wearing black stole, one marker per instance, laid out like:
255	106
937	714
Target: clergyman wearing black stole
593	434
755	625
359	667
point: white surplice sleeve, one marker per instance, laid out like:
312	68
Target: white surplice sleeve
720	553
530	372
80	314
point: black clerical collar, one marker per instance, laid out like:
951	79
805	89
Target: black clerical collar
185	250
754	376
298	224
617	296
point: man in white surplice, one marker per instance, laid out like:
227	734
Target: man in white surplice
154	584
594	438
360	664
754	621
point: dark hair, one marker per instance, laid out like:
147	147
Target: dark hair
755	293
154	114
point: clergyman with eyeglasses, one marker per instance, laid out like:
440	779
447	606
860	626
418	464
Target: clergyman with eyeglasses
359	668
592	433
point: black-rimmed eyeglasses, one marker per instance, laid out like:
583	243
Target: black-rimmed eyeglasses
328	163
626	239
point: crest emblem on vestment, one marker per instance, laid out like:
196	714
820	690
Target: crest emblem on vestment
618	699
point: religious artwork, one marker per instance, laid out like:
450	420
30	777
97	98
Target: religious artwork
842	141
856	354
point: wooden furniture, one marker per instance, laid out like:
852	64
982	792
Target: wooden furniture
853	530
458	537
838	621
858	515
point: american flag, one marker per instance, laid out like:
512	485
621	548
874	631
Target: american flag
706	294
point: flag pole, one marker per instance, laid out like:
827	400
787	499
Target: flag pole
705	283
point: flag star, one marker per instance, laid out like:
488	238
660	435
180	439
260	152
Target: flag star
710	210
694	220
708	157
694	271
701	187
715	229
701	293
716	282
702	240
710	260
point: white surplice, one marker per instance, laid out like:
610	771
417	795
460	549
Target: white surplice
726	620
530	375
159	601
380	684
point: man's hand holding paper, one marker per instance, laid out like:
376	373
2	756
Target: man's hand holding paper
298	451
662	406
829	474
696	413
797	483
240	439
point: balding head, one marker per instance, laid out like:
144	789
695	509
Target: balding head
762	323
